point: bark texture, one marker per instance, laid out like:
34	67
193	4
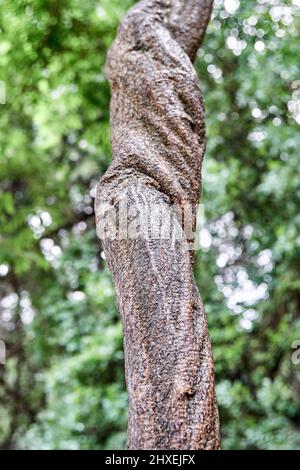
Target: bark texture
158	140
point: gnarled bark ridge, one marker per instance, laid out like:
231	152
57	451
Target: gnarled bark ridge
158	140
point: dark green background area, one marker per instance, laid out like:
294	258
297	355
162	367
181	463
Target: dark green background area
63	383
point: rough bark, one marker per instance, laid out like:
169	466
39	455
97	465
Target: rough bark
158	141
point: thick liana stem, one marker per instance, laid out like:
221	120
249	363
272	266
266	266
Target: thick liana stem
158	143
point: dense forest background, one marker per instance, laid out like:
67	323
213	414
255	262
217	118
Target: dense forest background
62	386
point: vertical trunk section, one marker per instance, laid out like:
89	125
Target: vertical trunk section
158	140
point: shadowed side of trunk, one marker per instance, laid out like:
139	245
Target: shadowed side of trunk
158	140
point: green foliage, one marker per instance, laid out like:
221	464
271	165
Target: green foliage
63	383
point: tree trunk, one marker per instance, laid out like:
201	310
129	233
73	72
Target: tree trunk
158	140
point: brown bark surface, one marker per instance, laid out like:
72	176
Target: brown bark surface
158	141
